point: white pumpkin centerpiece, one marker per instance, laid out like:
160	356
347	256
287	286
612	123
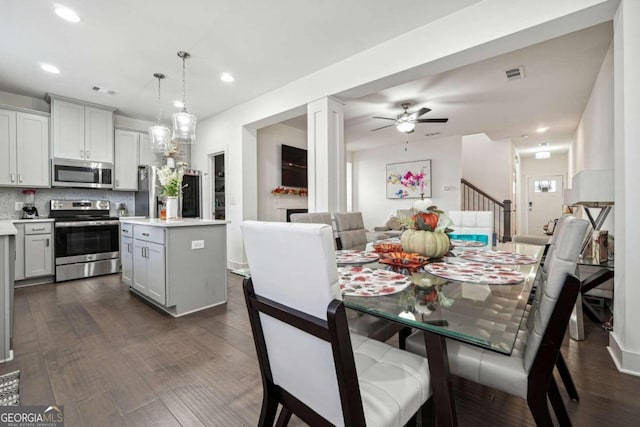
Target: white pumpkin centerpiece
426	237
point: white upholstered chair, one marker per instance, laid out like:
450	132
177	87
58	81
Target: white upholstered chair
528	372
363	324
351	231
310	363
478	223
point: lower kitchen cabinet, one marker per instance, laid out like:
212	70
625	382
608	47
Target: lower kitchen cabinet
126	259
179	266
149	266
38	255
34	249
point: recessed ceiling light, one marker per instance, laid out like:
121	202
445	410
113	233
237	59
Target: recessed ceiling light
66	13
178	104
50	68
226	77
541	130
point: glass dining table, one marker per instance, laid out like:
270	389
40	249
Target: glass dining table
474	300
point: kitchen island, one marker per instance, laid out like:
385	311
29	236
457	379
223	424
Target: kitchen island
7	259
178	265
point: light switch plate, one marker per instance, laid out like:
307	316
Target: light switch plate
19	206
197	244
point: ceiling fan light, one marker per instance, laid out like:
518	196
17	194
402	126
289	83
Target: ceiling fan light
405	126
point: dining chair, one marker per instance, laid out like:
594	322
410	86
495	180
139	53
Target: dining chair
363	324
477	223
309	362
351	231
528	372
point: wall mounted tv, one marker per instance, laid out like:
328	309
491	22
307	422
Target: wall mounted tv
294	167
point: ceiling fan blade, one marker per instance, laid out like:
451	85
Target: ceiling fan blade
432	120
423	110
382	127
385	118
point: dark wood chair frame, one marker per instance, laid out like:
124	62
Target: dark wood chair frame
334	330
541	383
563	369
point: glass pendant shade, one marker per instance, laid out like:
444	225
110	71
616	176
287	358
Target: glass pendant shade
184	123
159	134
160	137
184	127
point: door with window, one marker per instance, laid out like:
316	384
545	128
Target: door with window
544	201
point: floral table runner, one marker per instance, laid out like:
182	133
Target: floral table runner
474	272
354	256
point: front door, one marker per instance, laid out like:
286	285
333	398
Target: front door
544	201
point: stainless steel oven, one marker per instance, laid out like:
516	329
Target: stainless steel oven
86	239
78	173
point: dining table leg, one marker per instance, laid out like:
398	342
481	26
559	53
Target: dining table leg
441	386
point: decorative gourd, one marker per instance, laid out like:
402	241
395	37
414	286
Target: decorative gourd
429	218
428	243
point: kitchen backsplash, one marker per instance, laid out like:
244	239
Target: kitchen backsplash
8	197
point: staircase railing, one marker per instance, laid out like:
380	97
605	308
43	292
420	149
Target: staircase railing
474	199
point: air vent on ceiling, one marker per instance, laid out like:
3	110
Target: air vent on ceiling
104	90
432	133
515	73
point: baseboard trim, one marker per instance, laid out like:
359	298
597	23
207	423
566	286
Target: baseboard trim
235	265
626	362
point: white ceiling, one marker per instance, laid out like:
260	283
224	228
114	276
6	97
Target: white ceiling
119	44
559	76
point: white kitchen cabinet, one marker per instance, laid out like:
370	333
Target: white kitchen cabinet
67	123
24	149
145	155
126	160
81	131
38	251
126	259
34	250
19	269
149	263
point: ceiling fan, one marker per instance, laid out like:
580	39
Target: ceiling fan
406	122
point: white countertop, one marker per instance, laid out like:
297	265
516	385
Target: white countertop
7	228
184	222
32	220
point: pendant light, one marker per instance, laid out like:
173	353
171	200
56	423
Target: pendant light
184	123
159	134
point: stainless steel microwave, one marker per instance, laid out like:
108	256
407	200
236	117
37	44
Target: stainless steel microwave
81	173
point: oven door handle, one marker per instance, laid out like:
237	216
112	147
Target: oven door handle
85	223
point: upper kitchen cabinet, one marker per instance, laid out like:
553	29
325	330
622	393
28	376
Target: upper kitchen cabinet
24	148
126	164
81	131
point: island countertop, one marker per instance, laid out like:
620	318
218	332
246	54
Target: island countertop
183	222
7	228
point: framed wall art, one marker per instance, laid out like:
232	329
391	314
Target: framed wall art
409	180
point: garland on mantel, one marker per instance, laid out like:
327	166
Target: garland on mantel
287	191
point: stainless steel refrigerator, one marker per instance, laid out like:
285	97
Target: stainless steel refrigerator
148	199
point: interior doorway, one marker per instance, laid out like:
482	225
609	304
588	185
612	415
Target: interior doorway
543	202
218	186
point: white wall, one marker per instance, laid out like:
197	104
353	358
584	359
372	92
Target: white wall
369	176
593	141
450	45
498	157
270	139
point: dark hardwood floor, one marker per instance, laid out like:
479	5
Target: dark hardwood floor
112	359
